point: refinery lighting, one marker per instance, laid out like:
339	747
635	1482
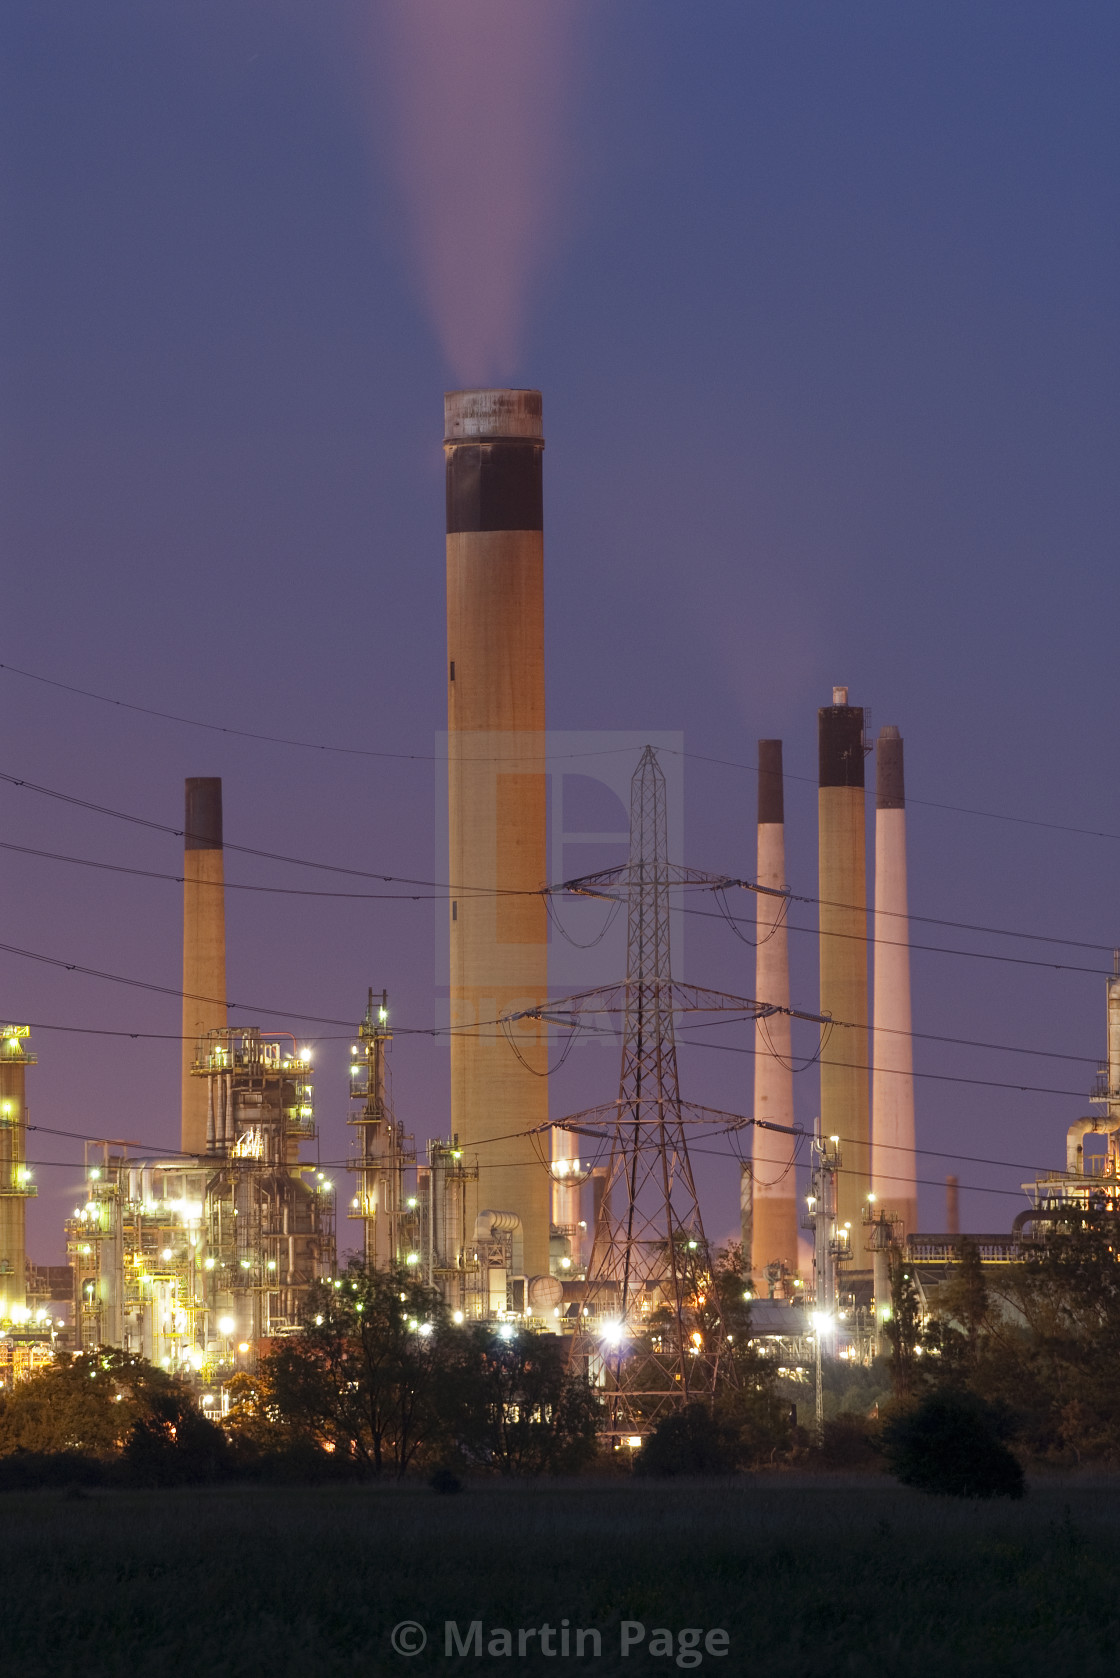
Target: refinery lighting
613	1333
226	1325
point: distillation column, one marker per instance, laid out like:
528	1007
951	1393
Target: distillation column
845	1104
893	1163
774	1197
204	946
15	1179
497	797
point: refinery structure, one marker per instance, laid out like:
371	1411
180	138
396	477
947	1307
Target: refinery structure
586	1225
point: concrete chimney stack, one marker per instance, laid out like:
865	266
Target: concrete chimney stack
497	796
15	1178
774	1210
845	1103
952	1205
204	945
893	1162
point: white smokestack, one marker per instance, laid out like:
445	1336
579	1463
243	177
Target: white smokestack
894	1169
774	1209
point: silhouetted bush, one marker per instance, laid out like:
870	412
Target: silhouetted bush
446	1483
952	1443
689	1441
175	1445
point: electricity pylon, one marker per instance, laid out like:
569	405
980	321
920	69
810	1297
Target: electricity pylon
649	1329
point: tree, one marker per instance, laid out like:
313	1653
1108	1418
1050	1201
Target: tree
952	1443
510	1403
961	1321
1052	1354
903	1327
362	1375
693	1439
86	1404
172	1443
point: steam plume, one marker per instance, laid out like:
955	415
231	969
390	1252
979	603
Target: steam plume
475	92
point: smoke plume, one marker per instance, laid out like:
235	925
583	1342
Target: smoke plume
474	95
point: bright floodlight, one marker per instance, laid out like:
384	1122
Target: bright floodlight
822	1322
226	1325
613	1333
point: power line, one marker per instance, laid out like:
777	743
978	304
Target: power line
249	850
933	949
433	890
430	757
278	739
927	803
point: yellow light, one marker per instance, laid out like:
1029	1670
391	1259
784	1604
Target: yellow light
226	1325
456	1316
244	1346
95	1173
412	1258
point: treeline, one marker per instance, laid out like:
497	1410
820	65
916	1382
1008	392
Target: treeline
380	1382
1034	1346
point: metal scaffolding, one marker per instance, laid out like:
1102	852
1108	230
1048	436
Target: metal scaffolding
390	1224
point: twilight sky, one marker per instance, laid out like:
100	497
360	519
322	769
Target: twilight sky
822	300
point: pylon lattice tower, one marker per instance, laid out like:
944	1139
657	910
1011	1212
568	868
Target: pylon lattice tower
649	1332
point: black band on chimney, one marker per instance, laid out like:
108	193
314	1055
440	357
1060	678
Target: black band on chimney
495	486
771	802
203	825
840	743
890	788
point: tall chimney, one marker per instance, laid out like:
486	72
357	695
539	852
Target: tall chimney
15	1179
952	1206
845	1106
497	796
893	1162
774	1222
204	945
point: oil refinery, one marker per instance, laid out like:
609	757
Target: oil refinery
583	1226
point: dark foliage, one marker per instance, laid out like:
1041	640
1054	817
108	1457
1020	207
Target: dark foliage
952	1443
511	1406
691	1440
173	1444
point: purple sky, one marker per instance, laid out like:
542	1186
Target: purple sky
823	304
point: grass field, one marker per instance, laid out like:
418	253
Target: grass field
808	1578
